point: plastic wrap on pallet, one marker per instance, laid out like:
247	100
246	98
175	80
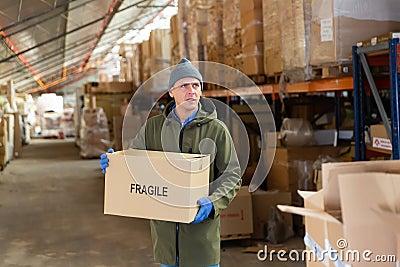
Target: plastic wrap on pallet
145	51
272	36
94	133
337	25
295	19
187	16
231	32
160	45
175	31
215	43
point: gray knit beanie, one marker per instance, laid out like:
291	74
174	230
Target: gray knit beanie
184	69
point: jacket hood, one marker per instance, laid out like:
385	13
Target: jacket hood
207	111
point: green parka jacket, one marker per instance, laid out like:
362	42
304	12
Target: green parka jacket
193	245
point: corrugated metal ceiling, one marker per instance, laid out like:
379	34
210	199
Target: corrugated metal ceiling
46	43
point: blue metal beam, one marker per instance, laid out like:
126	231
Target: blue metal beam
394	59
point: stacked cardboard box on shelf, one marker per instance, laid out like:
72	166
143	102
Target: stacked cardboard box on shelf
176	54
130	64
272	36
251	20
295	17
215	41
145	52
108	87
232	34
336	26
190	28
158	62
126	62
287	29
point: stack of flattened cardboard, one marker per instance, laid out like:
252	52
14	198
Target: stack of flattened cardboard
353	220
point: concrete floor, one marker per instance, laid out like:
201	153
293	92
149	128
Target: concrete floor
51	214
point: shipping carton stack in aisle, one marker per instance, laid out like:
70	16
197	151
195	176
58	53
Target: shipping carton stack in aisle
4	143
94	133
356	214
237	218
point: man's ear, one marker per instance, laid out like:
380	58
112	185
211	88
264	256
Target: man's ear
170	94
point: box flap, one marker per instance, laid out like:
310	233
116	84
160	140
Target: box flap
306	194
313	213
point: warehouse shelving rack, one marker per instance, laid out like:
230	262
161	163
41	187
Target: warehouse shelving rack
314	86
383	54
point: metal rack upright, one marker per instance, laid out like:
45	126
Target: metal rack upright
387	53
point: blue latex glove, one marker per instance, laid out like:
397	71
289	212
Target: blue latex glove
104	160
206	207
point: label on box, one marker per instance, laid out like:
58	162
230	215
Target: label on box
382	143
326	30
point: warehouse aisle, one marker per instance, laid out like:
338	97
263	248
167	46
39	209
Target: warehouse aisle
51	214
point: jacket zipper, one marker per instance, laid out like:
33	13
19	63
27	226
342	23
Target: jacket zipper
177	224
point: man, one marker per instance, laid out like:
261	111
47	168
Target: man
189	124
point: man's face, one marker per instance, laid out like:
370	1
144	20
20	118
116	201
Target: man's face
186	92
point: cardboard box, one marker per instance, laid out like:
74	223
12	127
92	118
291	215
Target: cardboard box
337	26
284	174
330	172
252	27
254	16
155	185
314	238
109	87
380	138
364	198
383	38
237	218
272	36
262	202
364	229
392	220
253	64
295	19
247	6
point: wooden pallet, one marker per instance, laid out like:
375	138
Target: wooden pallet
235	237
332	71
273	78
258	79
